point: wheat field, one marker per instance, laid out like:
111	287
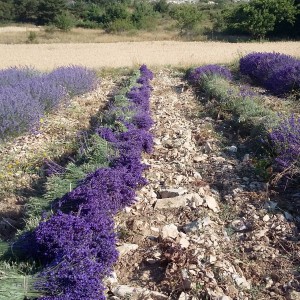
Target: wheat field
128	54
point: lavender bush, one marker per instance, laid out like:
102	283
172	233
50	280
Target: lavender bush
13	76
277	72
286	140
26	95
77	243
76	80
200	73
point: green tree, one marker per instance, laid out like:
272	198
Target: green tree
48	10
26	10
161	6
65	21
187	16
143	16
116	11
6	11
259	17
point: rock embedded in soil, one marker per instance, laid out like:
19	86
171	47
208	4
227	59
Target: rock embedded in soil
171	193
126	248
169	231
212	203
175	202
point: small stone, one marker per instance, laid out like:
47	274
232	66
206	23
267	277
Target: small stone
184	243
197	199
124	249
175	202
270	205
200	158
246	157
266	218
241	281
127	209
293	295
112	279
269	283
208	147
232	149
169	231
212	203
183	296
126	291
169	193
212	259
206	221
193	226
238	225
157	296
155	229
197	175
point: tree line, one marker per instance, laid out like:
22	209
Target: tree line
256	18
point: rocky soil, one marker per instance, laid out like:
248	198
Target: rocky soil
206	226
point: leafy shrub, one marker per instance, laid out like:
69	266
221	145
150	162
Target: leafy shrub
186	15
64	22
120	25
32	37
260	17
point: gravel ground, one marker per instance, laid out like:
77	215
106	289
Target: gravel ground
126	54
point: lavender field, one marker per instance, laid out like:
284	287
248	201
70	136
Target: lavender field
176	183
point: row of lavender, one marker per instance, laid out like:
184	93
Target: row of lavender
77	242
282	131
26	95
279	73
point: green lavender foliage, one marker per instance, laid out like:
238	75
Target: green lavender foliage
95	154
246	108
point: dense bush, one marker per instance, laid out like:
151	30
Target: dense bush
277	72
186	15
260	17
26	94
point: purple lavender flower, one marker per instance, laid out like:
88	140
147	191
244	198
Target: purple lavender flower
77	243
26	94
197	74
277	72
286	140
77	80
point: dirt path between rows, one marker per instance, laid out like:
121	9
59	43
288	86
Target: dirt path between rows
156	53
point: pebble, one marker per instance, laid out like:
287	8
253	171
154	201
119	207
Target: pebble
169	231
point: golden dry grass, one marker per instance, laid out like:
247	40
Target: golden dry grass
50	35
127	54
